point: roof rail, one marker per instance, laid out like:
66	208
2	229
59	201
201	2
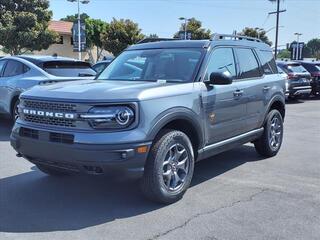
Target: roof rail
218	36
147	40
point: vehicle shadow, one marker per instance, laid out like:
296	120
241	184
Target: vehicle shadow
295	101
34	202
5	129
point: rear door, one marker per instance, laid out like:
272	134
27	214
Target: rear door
255	84
223	106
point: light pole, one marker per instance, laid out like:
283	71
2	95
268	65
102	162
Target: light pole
186	20
297	48
79	23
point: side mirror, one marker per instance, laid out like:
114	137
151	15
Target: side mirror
220	78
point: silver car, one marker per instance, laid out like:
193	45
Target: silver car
19	73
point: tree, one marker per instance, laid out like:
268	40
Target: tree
121	33
194	26
94	29
73	18
253	32
284	54
314	46
24	26
153	35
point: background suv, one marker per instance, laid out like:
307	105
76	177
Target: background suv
154	111
298	84
314	69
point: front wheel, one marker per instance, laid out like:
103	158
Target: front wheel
270	142
15	110
169	168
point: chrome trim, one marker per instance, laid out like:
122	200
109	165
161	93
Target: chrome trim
233	139
97	116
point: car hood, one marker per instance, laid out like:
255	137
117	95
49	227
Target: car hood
106	90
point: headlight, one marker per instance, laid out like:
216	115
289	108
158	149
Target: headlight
113	117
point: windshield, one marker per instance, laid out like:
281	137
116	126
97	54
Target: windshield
69	69
178	65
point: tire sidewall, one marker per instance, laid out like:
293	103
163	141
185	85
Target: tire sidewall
164	146
271	115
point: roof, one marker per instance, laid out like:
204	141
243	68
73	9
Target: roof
61	27
45	58
199	44
171	44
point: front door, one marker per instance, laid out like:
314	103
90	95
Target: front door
224	105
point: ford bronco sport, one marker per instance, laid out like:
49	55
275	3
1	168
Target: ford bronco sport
156	110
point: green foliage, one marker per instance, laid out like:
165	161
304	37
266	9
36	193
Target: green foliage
314	46
253	32
284	54
24	26
194	26
153	35
120	35
73	18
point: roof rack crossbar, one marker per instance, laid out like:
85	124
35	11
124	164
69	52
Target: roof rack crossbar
218	36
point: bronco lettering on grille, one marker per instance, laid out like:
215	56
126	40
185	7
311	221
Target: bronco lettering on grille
49	114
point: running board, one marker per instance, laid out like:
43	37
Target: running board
228	144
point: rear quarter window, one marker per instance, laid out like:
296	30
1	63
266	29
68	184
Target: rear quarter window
248	64
268	63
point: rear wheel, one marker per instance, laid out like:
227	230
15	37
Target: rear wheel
52	171
270	142
169	168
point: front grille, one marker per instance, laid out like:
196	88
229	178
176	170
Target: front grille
50	121
60	107
29	133
49	106
61	138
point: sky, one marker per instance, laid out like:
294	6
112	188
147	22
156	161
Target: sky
221	16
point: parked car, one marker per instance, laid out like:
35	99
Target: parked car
298	84
156	110
314	69
19	73
100	66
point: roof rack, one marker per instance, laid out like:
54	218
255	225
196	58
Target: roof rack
147	40
218	36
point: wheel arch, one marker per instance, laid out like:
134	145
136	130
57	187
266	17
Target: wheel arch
183	120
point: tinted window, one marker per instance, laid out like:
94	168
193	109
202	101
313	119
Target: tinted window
249	67
178	65
268	63
2	63
311	67
14	68
68	69
221	60
296	68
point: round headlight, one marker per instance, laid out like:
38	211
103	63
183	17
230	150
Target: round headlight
124	116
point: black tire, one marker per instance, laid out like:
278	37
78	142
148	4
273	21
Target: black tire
52	171
153	184
269	144
14	110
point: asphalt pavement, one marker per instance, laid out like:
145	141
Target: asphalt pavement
235	195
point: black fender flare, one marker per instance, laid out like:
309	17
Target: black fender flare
177	113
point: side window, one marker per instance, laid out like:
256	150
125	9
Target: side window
221	60
2	63
14	68
268	63
248	64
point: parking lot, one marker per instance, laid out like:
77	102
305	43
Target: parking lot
235	195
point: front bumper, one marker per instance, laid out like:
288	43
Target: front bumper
39	147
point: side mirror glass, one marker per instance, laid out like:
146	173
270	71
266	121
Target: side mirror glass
220	78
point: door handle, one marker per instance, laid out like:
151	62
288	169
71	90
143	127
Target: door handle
238	93
266	88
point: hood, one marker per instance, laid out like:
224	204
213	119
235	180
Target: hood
107	90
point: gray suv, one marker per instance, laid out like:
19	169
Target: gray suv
156	110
